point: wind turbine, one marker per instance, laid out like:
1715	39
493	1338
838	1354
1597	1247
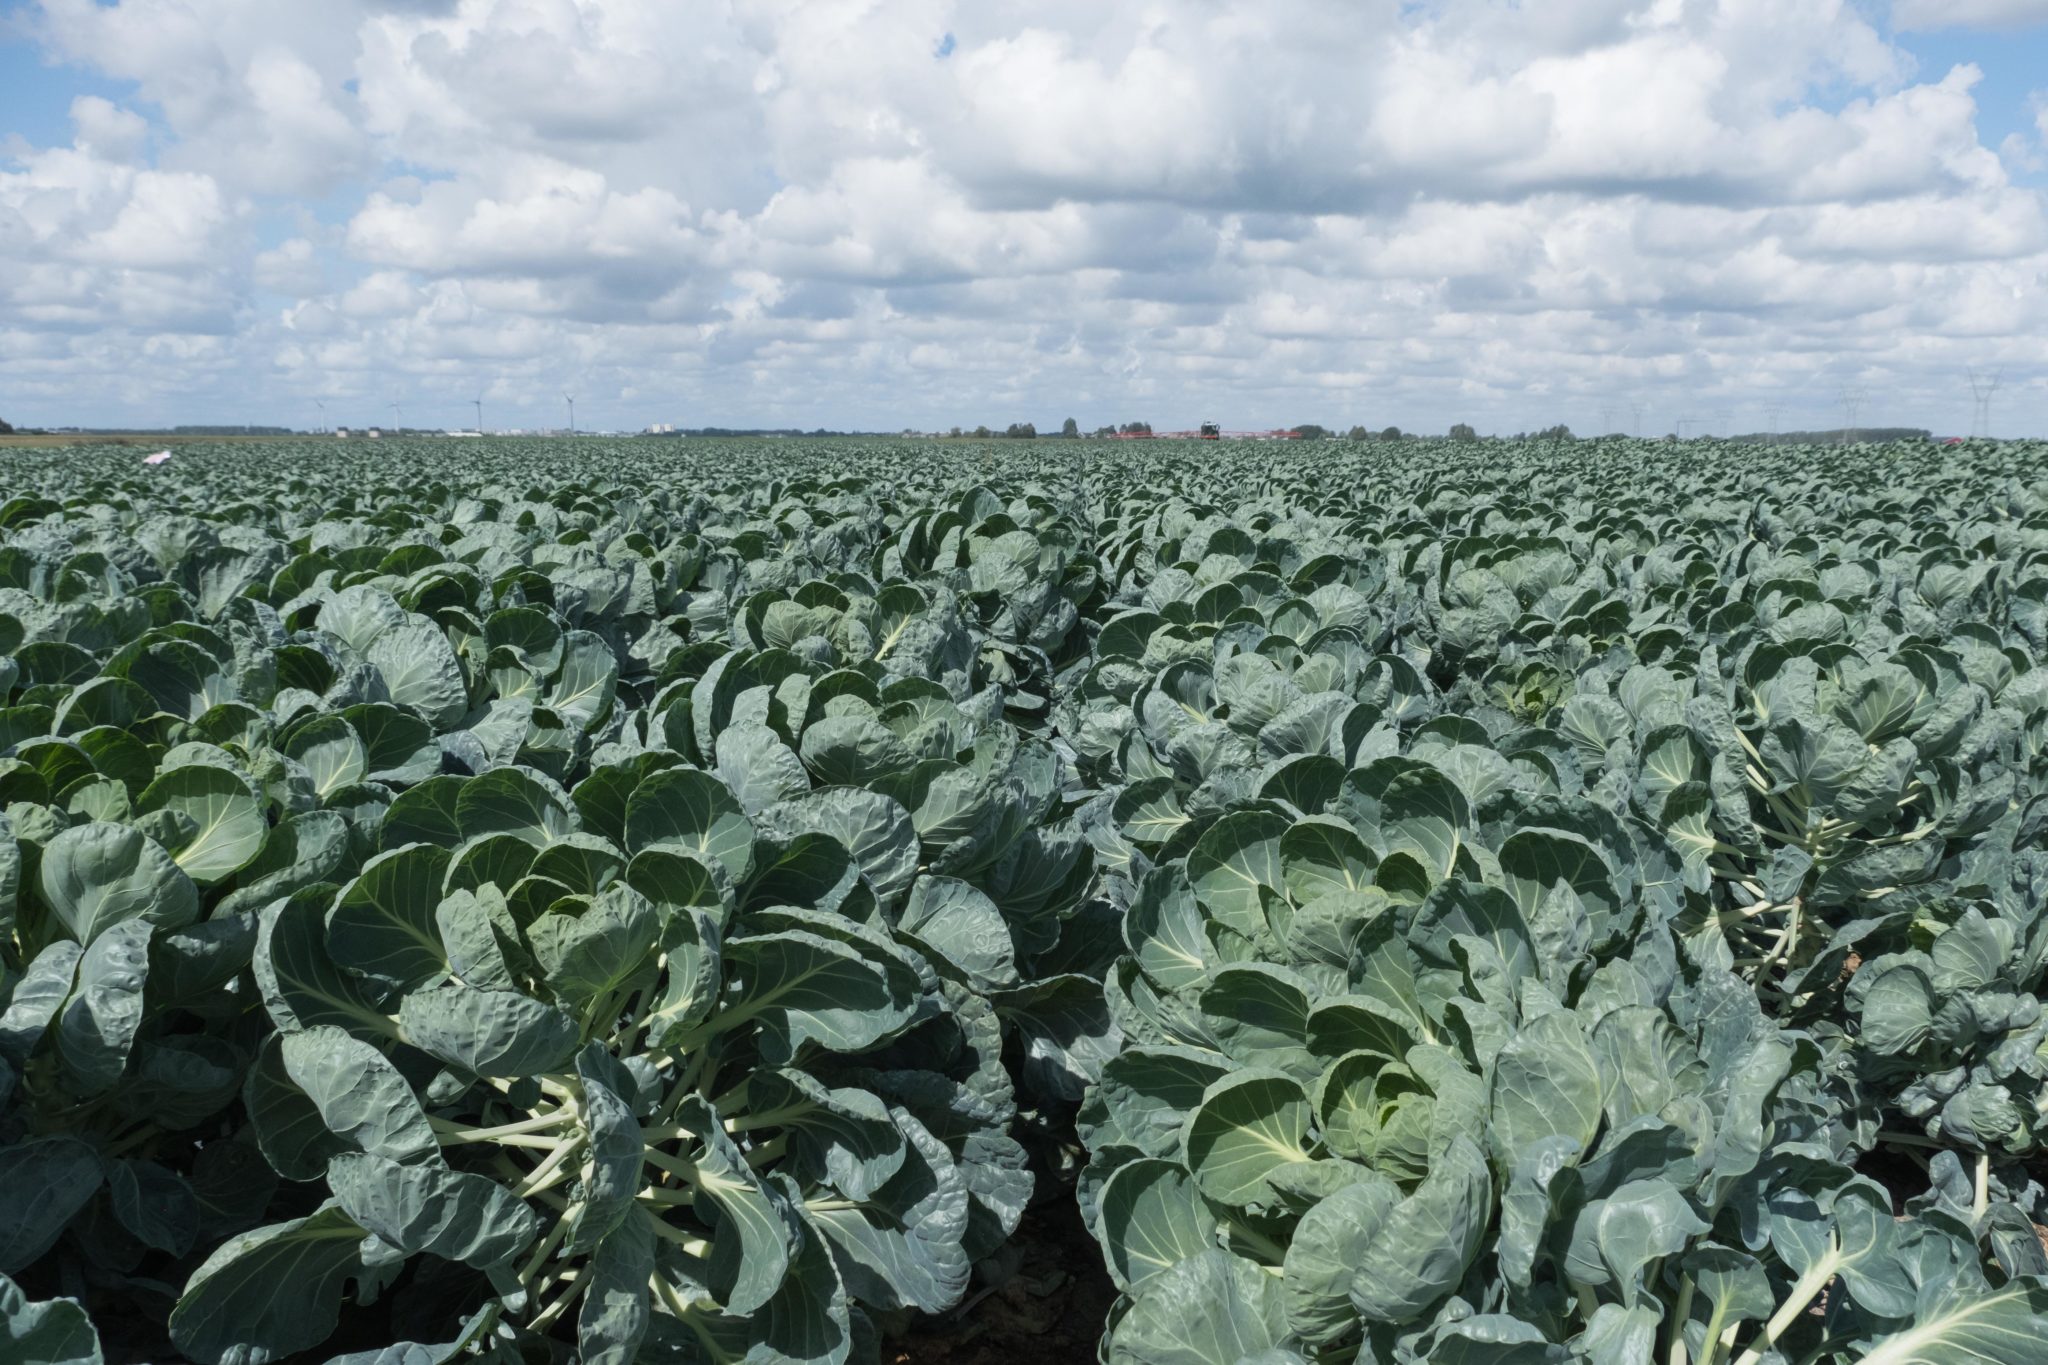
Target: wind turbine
398	414
323	413
479	401
572	413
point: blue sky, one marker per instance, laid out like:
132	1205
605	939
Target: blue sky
1724	213
2015	67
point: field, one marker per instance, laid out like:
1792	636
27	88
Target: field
1496	903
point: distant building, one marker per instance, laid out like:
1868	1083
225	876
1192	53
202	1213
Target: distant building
374	434
341	432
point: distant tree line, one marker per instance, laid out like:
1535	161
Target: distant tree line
1836	437
6	427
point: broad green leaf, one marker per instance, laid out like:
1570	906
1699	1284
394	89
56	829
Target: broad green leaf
1427	1241
755	1239
1233	859
361	1097
44	1181
806	989
1215	1309
95	876
876	830
1545	1083
904	1247
690	812
418	668
382	924
221	823
613	1318
488	1032
1325	1252
451	1214
96	1031
264	1295
1247	1125
963	929
301	983
53	1332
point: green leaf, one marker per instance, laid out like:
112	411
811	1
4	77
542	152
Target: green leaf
488	1032
612	1161
1233	859
39	993
1325	1252
1150	1218
690	812
1164	930
842	1137
419	669
1427	1242
44	1181
1409	806
904	1247
2003	1326
1321	856
382	924
876	830
298	852
1066	1033
582	692
224	821
361	1097
54	1332
331	753
962	928
1247	1125
1545	1083
613	1318
759	768
95	876
599	950
289	1131
302	985
267	1294
451	1214
1259	1015
1214	1309
806	1323
803	989
157	1205
96	1031
754	1239
518	802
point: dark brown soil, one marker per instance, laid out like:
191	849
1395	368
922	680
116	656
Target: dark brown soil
1052	1310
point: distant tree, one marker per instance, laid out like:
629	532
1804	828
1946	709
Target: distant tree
1103	431
954	432
1022	431
982	433
1463	432
1312	431
5	428
1560	432
1391	434
1070	428
1358	434
1135	429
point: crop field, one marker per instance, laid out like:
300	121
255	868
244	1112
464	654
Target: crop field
1413	902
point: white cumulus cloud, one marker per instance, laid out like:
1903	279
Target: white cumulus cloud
930	212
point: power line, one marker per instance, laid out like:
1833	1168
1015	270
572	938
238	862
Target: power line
1852	396
1982	387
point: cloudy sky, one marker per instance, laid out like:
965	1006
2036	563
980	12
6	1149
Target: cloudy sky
886	213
